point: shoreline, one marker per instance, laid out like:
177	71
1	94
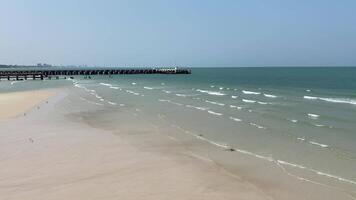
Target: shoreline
68	150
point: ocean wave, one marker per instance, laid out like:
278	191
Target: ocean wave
269	95
169	101
233	106
106	84
256	125
310	97
211	92
115	88
262	103
166	91
132	92
112	103
250	92
333	100
215	103
293	120
248	101
148	88
318	144
196	107
313	116
133	83
214	113
234	97
236	119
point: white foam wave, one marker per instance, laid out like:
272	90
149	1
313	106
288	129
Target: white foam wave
215	103
238	107
195	107
313	116
234	97
211	92
215	113
269	95
132	92
302	139
166	91
262	103
106	84
293	120
319	144
111	103
115	88
248	101
310	97
333	100
133	83
250	92
236	119
148	88
256	125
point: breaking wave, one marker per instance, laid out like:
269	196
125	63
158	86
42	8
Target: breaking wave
211	92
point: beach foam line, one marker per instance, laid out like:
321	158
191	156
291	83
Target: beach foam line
211	92
115	88
248	101
235	119
333	100
195	107
269	95
293	120
313	116
169	101
214	113
215	103
106	84
166	91
250	92
112	103
132	92
237	107
318	144
256	125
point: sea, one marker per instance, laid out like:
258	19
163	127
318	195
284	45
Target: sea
301	120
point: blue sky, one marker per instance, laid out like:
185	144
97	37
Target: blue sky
195	33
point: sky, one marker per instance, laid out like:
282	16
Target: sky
192	33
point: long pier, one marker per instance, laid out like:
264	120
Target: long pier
10	74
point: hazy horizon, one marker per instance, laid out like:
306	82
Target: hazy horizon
183	33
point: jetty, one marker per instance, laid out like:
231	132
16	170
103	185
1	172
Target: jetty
25	74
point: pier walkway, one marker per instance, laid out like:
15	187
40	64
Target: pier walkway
9	74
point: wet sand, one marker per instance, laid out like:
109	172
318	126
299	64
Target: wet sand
17	103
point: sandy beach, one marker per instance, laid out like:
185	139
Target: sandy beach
45	156
66	148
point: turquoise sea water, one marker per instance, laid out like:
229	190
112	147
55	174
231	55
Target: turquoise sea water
300	118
